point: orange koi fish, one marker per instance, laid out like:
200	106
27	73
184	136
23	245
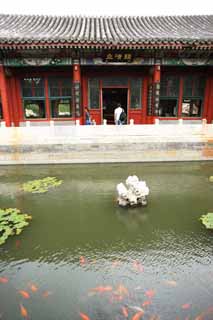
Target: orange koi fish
84	316
18	243
24	294
82	261
125	312
46	294
138	315
3	280
150	293
33	287
117	297
186	306
121	290
136	308
138	266
23	311
102	289
146	303
204	313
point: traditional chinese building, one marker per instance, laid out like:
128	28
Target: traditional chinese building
51	68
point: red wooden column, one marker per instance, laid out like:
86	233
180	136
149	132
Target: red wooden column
77	89
47	102
153	93
156	89
4	97
208	108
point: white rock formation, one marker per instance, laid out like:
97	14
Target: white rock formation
134	194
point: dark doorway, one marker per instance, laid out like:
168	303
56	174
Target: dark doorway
111	98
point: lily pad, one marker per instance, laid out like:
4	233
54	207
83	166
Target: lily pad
12	221
211	179
41	185
207	220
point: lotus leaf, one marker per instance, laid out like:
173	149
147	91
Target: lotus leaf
12	221
18	231
41	185
207	220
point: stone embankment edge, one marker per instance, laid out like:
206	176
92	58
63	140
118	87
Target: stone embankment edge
110	144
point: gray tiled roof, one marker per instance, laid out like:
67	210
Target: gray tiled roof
33	29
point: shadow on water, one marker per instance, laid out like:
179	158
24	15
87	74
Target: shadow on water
80	239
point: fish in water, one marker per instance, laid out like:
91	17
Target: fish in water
33	287
204	313
18	243
146	303
136	308
186	306
102	289
125	312
115	298
3	280
171	283
84	316
23	311
121	290
24	294
82	260
138	315
150	293
46	294
138	266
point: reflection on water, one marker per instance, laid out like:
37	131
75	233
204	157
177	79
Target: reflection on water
86	255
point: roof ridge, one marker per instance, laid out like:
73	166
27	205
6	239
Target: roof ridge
104	30
104	16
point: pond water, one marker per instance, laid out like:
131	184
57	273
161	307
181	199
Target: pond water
84	254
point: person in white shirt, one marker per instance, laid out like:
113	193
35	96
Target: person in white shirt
117	113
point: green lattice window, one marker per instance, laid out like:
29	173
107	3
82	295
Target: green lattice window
169	86
193	86
135	93
60	95
169	93
193	95
93	91
33	97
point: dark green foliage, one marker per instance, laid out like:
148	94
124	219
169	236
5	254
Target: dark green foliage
12	221
41	185
207	220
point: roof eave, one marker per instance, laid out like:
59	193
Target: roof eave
143	43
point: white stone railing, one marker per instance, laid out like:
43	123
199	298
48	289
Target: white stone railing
107	133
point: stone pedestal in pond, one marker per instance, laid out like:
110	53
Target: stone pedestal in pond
133	194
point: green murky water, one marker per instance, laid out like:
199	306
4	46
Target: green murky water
79	240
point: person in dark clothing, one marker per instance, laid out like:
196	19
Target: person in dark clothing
123	117
87	117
